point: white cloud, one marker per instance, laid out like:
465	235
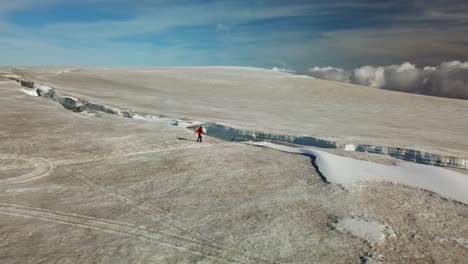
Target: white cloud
282	70
449	79
330	73
369	76
429	68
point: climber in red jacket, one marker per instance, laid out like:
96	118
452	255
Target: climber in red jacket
199	132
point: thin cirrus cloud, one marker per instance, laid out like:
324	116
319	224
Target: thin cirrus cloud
449	79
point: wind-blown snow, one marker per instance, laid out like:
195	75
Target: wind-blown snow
347	172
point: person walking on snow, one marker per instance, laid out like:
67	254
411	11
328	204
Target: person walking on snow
199	132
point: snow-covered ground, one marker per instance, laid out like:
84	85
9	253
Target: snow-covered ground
369	231
263	100
348	172
91	187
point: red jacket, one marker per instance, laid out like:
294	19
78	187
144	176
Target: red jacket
200	131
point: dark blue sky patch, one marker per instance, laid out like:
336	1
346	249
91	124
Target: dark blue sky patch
66	13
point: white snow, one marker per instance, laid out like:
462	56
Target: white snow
31	92
350	147
148	71
38	88
165	120
62	71
113	177
71	98
347	172
42	88
369	231
380	113
88	113
298	76
11	76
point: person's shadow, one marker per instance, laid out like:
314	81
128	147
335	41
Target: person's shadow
186	139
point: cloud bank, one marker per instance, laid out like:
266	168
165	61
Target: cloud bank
449	79
330	73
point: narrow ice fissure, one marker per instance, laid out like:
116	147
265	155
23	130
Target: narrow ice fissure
232	134
313	158
77	105
313	161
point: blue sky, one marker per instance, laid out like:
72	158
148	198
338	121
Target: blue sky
286	34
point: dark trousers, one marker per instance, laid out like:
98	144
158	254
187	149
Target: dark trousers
199	138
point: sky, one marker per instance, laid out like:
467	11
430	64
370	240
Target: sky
292	35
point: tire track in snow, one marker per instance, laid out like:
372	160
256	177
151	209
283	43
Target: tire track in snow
158	214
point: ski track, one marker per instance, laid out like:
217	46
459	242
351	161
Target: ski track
122	229
34	175
155	212
68	125
42	167
11	149
158	214
70	162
